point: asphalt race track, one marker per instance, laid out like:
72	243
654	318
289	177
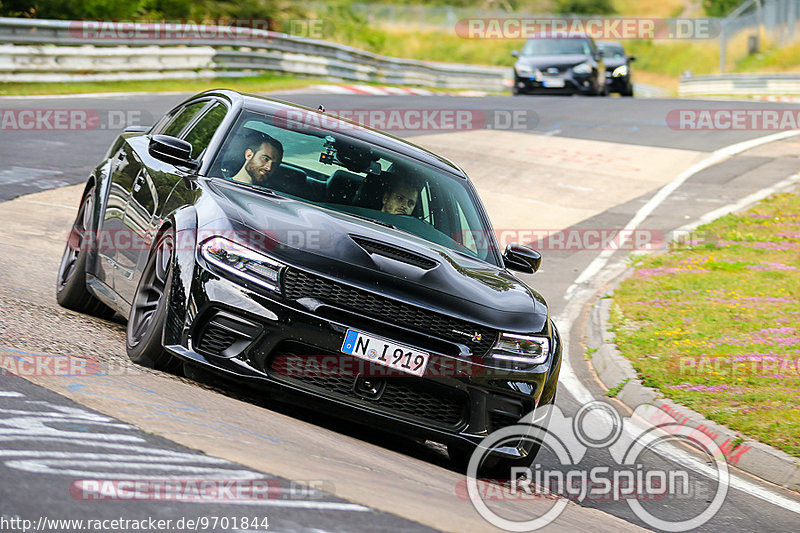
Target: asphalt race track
568	164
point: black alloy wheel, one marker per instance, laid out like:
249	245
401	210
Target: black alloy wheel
145	332
71	291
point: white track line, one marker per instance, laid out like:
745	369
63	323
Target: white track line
716	157
578	295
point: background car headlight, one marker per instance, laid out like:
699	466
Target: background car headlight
525	71
622	70
583	68
521	348
243	262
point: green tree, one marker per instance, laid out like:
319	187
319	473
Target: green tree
585	7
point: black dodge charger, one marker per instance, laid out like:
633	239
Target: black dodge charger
286	249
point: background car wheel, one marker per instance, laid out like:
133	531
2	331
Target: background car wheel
144	335
627	92
71	291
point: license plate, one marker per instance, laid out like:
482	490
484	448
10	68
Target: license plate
385	352
553	82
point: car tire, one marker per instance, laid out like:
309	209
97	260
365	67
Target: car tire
494	467
627	92
145	332
71	290
515	90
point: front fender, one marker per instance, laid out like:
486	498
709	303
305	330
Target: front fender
184	223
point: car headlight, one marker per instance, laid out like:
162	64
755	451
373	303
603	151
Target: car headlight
243	262
525	71
583	68
521	348
622	70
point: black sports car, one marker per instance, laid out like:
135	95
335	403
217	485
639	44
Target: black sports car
554	65
285	248
619	77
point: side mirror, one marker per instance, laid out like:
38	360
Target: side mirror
173	151
515	53
600	53
522	258
631	59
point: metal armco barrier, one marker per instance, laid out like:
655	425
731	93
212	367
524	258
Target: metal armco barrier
740	85
55	50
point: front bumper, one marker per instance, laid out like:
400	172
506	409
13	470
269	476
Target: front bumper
562	83
294	350
617	84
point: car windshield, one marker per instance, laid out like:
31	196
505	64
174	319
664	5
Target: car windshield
328	168
611	50
549	47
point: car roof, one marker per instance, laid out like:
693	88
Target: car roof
271	106
576	35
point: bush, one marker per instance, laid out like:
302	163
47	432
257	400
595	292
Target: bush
720	8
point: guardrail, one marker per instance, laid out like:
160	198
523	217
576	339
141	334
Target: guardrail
740	85
55	50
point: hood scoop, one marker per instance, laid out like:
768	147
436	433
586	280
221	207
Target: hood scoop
393	252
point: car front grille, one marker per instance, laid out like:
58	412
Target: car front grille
405	397
299	284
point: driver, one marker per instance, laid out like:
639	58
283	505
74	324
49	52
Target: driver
402	196
262	156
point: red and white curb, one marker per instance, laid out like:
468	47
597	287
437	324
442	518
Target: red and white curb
776	98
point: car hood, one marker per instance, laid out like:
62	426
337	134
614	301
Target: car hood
613	62
559	61
324	241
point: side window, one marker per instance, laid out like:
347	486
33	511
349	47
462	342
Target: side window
183	118
200	134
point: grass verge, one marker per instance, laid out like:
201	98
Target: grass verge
247	84
715	323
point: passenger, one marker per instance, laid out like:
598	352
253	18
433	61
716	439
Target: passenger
262	157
